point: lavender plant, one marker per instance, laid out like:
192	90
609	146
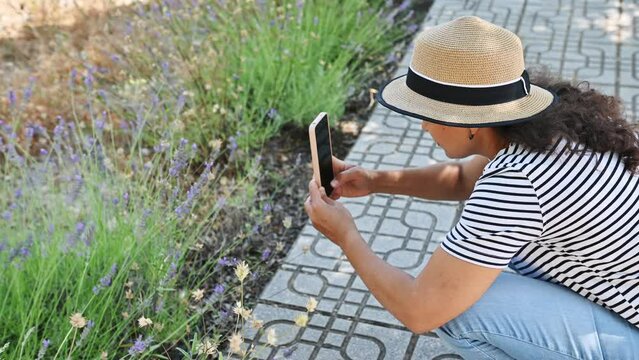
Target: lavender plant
95	233
254	66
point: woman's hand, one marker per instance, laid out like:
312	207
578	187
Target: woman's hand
350	180
329	216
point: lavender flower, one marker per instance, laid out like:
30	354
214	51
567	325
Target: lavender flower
288	352
43	349
226	262
267	208
76	188
272	113
159	305
73	77
218	289
85	332
106	280
404	5
180	103
265	254
12	98
232	144
221	201
139	346
180	160
28	91
172	272
72	238
186	207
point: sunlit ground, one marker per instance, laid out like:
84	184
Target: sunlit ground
14	14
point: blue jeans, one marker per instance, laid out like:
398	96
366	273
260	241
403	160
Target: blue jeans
525	318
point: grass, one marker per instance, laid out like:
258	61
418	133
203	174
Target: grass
108	208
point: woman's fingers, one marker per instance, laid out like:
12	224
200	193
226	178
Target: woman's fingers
314	192
325	197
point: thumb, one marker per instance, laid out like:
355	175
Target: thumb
344	176
325	197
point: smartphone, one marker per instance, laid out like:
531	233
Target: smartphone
321	151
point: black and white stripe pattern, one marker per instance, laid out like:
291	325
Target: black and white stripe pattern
567	217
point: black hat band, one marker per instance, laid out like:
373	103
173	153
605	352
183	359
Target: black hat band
470	94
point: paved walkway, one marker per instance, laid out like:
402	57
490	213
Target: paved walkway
579	39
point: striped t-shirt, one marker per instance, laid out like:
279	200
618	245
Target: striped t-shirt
568	218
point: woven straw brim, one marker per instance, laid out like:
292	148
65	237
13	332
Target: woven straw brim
396	96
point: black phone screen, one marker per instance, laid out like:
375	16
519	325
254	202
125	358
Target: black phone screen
324	154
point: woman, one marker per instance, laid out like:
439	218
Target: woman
551	187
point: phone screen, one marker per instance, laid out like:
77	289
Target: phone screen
324	154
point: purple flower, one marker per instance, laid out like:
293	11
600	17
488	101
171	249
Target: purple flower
139	346
28	91
172	272
76	188
288	352
88	79
265	254
186	207
224	313
115	201
267	208
218	289
73	76
232	144
159	305
403	6
226	262
12	98
43	349
221	201
180	103
7	215
85	332
180	159
272	113
106	280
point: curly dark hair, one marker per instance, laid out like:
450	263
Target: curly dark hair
583	115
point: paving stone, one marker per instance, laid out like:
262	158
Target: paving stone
373	340
428	347
384	244
347	309
335	339
311	334
393	227
341	325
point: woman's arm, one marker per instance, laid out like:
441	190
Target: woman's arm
443	181
445	288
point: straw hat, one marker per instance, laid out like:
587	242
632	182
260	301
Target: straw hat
466	73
